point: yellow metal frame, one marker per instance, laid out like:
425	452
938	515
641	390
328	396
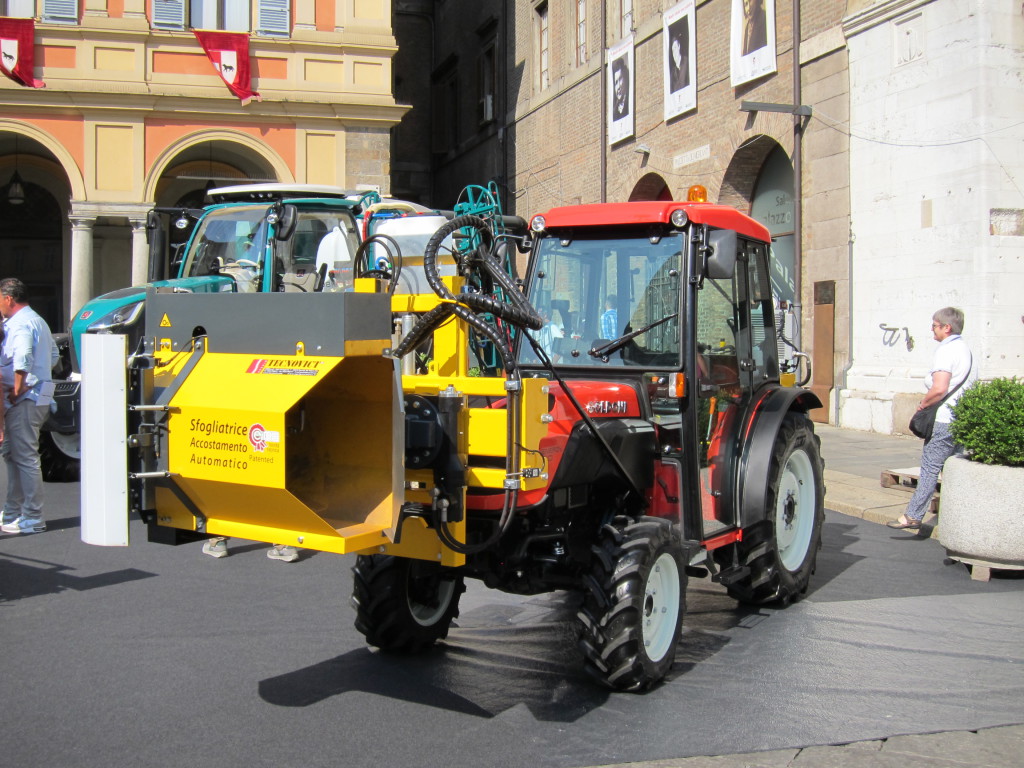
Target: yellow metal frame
335	488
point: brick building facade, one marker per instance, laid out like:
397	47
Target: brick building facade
546	143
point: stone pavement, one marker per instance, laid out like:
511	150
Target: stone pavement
854	462
988	748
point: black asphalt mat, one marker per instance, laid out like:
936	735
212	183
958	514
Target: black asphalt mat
161	656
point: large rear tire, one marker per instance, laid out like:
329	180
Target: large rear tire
781	551
403	605
632	611
59	457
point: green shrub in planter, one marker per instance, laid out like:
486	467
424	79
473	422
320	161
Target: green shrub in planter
988	421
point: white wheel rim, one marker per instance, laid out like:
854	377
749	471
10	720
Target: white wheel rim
69	445
661	607
428	615
795	510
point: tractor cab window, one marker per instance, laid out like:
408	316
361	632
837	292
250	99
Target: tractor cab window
319	254
229	241
765	352
608	301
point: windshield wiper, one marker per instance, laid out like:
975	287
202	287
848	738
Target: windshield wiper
606	349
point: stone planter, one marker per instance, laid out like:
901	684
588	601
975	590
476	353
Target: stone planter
981	515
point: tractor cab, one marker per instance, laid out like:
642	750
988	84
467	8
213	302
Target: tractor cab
662	311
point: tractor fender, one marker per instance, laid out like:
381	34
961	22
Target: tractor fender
758	444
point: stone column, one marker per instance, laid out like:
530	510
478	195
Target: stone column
81	261
140	252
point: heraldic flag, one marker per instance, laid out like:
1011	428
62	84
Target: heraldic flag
229	53
17	51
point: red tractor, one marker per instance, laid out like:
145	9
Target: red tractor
670	449
625	428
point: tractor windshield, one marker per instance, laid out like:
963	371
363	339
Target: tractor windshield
227	237
234	241
608	301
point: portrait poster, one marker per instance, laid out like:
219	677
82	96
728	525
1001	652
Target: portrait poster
620	91
752	40
679	34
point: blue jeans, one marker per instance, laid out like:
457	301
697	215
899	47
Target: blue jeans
20	450
933	456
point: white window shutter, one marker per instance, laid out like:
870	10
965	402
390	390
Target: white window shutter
236	16
274	17
169	13
21	9
65	11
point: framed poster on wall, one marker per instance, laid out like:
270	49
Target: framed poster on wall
752	40
679	33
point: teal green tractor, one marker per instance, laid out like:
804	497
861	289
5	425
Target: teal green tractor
261	238
252	238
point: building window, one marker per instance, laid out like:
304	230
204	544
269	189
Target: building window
18	9
485	74
543	47
60	11
446	109
627	17
581	32
273	17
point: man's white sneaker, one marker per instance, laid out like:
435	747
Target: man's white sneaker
216	547
24	525
284	553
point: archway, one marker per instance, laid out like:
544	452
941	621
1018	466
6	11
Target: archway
202	166
33	222
221	157
650	187
772	205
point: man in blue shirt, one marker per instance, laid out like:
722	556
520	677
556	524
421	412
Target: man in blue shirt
27	356
610	318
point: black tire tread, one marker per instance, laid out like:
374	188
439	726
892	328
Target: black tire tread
768	581
380	598
610	619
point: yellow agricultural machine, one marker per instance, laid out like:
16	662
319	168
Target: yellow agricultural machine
634	433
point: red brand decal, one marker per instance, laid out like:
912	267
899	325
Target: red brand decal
256	366
257	437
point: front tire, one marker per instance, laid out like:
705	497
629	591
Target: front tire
780	552
403	605
632	612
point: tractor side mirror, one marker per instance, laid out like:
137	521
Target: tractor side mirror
720	263
287	219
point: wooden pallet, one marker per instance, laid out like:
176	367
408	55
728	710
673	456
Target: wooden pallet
907	479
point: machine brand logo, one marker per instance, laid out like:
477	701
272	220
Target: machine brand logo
258	438
286	366
86	315
608	406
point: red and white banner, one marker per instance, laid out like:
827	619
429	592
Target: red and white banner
17	51
229	53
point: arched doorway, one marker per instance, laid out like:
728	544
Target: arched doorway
772	205
204	166
759	181
32	224
650	187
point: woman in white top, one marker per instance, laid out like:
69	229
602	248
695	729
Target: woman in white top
952	365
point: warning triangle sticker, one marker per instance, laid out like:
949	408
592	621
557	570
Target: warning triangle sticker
165	321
